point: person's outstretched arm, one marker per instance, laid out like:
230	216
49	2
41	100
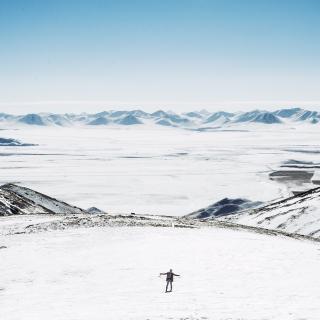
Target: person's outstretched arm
163	273
177	275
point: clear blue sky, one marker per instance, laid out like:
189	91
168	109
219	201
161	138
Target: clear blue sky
77	55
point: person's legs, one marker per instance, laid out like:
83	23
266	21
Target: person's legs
167	286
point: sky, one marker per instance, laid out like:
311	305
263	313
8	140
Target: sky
77	55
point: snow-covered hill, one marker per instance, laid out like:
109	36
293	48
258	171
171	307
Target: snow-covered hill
15	200
12	203
224	207
94	210
113	273
299	214
189	120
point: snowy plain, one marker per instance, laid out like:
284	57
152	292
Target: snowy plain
152	169
113	273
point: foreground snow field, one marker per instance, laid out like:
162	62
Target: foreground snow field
155	170
112	273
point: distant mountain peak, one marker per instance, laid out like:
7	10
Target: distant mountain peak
99	121
129	120
159	113
32	119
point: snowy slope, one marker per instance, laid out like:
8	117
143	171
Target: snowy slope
99	121
13	203
20	200
113	274
129	120
299	214
94	210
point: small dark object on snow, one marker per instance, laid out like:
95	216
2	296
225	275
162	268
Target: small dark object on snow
170	275
3	247
132	213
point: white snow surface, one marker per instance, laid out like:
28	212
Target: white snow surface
155	169
113	273
18	223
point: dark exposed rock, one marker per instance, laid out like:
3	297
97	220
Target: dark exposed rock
224	207
8	142
94	210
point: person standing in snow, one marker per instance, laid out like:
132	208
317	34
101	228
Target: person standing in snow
169	279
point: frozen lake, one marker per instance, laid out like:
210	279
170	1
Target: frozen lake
113	273
158	170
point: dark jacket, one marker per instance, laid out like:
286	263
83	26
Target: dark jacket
170	276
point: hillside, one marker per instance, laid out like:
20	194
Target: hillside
113	273
299	214
12	203
16	200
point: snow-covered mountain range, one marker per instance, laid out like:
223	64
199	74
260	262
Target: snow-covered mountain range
193	120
